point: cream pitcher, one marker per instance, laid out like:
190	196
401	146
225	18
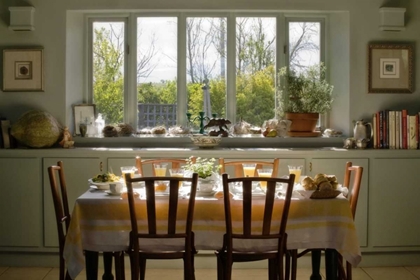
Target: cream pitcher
360	130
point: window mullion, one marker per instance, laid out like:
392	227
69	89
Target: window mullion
231	69
130	79
182	70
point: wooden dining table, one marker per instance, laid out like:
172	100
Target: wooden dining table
101	223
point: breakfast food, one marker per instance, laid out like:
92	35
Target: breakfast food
309	184
177	130
106	177
160	187
321	182
158	130
219	194
125	195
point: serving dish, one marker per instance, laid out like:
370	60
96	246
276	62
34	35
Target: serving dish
205	142
100	185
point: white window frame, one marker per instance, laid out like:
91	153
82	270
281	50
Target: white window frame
130	81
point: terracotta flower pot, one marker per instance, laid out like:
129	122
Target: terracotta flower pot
303	122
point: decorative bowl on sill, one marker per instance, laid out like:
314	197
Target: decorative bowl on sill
205	141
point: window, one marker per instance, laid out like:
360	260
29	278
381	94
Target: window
223	64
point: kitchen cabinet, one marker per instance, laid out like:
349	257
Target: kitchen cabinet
394	204
77	171
21	207
336	167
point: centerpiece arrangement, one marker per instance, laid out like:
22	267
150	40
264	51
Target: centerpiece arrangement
303	97
206	170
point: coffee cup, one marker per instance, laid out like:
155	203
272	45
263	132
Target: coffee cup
115	188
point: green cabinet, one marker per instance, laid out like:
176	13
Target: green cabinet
394	204
21	207
77	172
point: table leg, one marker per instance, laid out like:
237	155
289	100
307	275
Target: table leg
91	261
107	266
316	263
331	264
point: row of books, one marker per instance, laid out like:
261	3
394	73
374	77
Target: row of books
395	130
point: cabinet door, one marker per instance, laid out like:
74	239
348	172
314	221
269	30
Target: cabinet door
77	173
21	207
394	203
337	167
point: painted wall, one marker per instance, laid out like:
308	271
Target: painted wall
353	25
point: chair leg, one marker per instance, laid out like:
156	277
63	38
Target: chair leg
142	263
134	267
119	265
220	267
272	269
349	272
294	265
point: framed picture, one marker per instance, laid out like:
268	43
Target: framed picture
23	70
82	112
390	68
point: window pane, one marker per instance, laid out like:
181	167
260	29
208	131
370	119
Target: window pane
304	44
255	69
108	70
206	60
156	71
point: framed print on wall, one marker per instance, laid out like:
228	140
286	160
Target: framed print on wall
390	68
23	70
81	113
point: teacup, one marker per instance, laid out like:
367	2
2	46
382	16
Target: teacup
115	188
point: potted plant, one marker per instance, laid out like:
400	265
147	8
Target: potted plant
303	97
205	168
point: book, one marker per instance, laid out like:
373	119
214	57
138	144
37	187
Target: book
397	129
404	128
381	130
412	132
375	133
5	126
391	129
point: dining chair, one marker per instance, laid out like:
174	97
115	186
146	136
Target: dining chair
238	167
352	173
175	163
245	229
63	218
169	217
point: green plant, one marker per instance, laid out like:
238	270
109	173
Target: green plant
306	92
202	166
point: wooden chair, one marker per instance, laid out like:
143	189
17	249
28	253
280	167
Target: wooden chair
344	272
229	253
175	163
178	225
62	215
239	172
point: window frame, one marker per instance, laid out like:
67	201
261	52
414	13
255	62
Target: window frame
130	53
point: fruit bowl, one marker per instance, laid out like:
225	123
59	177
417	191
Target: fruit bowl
205	141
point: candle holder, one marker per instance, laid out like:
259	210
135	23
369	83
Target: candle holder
200	117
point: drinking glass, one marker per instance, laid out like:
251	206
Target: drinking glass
297	170
265	172
249	169
128	169
160	169
177	172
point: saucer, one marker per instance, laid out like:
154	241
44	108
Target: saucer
112	194
205	193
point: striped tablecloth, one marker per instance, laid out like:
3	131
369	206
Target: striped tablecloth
101	223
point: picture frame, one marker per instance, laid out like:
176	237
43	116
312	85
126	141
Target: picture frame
81	112
23	70
390	68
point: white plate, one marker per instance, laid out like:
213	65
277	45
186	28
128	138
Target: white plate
99	186
112	194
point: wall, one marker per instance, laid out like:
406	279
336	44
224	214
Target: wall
354	25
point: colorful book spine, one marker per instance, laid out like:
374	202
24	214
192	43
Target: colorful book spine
397	129
381	130
404	128
391	129
412	132
375	133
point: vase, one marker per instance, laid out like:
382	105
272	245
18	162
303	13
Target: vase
303	124
205	185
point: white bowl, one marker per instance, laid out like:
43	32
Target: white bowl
204	141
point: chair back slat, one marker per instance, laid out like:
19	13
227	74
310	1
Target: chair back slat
173	217
247	207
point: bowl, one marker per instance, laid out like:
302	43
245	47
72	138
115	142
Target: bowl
205	142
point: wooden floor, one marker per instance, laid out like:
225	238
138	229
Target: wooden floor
365	273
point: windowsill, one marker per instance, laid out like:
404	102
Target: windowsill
227	142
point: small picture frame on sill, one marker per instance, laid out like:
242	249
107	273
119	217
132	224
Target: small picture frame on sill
81	113
390	68
23	70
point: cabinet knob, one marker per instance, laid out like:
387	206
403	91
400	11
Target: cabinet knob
101	166
310	167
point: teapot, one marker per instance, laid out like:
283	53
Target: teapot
360	130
